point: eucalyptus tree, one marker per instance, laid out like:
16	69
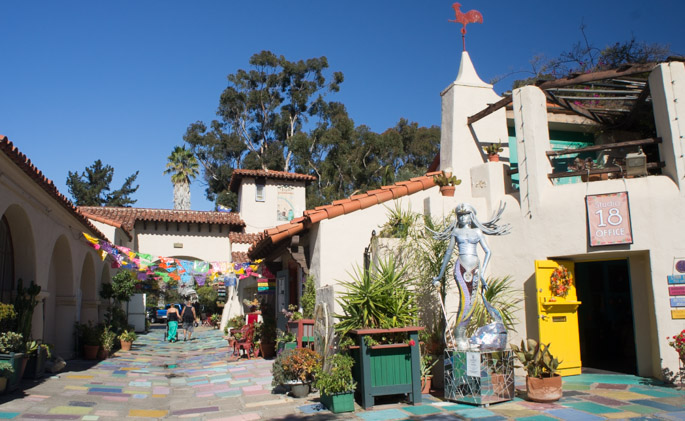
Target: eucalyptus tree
183	166
260	113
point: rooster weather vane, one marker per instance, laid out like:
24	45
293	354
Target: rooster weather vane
472	16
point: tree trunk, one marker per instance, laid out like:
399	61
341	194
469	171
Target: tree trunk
182	196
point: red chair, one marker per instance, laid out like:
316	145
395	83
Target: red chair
245	343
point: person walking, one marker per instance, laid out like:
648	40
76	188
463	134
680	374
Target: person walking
188	316
172	318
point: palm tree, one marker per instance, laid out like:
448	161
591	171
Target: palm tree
182	166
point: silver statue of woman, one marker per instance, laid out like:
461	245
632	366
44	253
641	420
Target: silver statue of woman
468	232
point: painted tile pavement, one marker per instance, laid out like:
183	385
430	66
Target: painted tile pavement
199	380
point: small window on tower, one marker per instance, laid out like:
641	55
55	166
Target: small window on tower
259	193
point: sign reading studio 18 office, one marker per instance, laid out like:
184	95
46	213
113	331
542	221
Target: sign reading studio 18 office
608	217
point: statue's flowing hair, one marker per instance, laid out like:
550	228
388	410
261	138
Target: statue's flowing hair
489	227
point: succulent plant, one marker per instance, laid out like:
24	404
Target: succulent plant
536	358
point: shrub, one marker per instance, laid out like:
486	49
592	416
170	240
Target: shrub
8	317
128	336
298	364
6	369
11	342
338	378
309	298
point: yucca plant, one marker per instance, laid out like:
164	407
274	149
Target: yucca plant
536	358
377	298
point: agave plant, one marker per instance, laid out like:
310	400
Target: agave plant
536	358
377	298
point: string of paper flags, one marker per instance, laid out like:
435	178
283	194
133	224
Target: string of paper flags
186	272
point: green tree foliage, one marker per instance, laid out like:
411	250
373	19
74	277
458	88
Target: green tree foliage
309	298
275	116
207	298
183	166
92	186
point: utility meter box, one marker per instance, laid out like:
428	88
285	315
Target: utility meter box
636	164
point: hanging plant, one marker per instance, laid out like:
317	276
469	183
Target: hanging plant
560	281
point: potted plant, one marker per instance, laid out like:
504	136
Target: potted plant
107	341
379	316
678	343
267	342
6	372
89	337
12	347
38	354
543	383
493	151
24	304
285	340
296	367
427	363
336	384
215	320
447	183
126	339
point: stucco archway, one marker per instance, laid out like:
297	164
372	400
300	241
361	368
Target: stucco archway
88	291
60	307
23	245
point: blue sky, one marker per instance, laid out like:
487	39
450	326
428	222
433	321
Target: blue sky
121	81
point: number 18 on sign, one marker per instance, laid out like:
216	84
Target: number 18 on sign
608	217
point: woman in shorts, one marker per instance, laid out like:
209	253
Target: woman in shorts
188	316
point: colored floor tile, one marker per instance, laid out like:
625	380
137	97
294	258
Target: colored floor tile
536	418
572	415
421	409
8	415
657	393
592	407
475	413
147	413
71	410
382	415
658	405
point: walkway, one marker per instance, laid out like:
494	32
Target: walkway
192	380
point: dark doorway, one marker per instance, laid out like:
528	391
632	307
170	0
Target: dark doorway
605	319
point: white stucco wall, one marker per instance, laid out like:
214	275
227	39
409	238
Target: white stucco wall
196	241
49	249
259	216
550	222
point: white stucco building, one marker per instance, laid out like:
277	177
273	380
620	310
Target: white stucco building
623	307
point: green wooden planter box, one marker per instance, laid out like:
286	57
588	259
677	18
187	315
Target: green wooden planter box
287	345
389	369
17	361
341	402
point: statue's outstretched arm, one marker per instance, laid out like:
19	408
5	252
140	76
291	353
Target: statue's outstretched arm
445	260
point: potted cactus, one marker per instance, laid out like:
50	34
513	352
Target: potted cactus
493	151
447	182
543	383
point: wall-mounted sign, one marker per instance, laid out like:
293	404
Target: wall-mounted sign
676	279
285	208
608	218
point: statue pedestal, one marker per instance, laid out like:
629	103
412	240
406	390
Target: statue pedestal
479	377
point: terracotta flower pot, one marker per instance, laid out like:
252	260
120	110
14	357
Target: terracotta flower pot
546	389
493	158
126	345
90	352
426	384
447	191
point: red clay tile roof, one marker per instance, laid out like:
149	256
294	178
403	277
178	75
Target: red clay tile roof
239	257
244	238
127	217
238	174
21	161
340	207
